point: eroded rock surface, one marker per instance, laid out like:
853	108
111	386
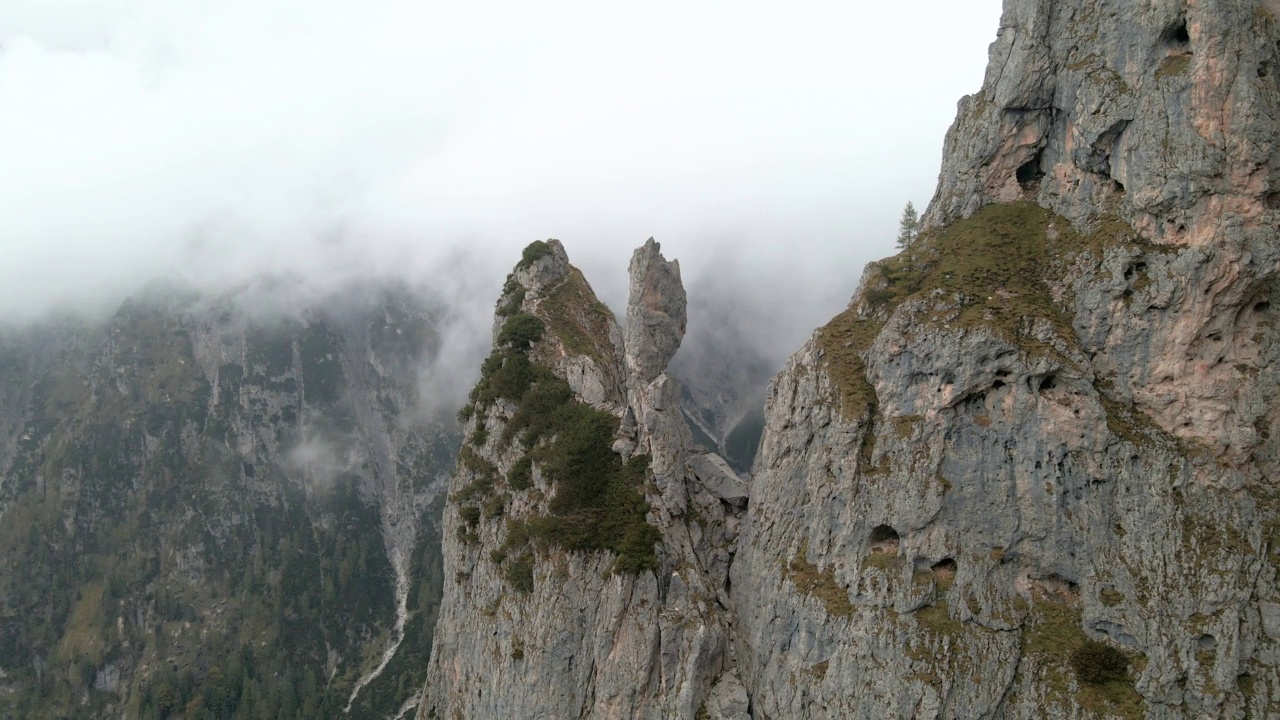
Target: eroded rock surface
655	313
1030	472
603	628
1049	425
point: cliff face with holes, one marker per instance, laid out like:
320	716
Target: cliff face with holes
586	544
1032	471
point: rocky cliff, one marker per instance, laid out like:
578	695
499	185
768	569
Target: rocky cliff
586	544
1031	471
211	509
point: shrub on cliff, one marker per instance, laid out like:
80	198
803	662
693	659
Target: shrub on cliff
1097	663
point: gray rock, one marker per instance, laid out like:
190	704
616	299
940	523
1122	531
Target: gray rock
1164	113
719	478
543	273
655	312
969	474
585	642
107	679
728	699
1105	458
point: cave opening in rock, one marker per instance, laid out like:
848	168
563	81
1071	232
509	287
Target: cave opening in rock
1029	173
884	539
1057	588
1175	36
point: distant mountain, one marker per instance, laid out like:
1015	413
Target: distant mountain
723	374
211	509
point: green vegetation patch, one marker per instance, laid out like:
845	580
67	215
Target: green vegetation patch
514	293
936	618
1110	597
993	264
521	331
578	318
520	476
484	481
1212	542
844	341
1055	637
986	270
989	271
519	573
1173	66
885	561
818	583
1097	663
598	503
533	252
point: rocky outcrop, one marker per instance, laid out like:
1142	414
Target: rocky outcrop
560	603
1029	472
1164	113
1039	448
655	313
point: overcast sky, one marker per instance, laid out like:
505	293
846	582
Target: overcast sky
216	139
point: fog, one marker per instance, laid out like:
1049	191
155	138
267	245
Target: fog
770	148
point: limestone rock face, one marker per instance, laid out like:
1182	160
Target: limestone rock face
1162	112
655	312
559	631
1049	428
1030	472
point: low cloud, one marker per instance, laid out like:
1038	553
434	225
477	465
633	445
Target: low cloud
318	462
333	142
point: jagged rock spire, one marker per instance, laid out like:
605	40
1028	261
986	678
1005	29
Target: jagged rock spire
656	313
575	636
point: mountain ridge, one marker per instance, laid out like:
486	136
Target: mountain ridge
1029	471
201	499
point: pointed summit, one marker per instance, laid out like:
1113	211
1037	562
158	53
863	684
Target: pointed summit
655	312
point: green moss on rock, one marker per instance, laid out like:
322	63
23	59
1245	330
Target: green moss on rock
844	342
986	270
519	573
575	316
818	583
1055	638
533	252
597	503
936	618
1173	66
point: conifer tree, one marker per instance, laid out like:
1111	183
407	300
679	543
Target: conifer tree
908	227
